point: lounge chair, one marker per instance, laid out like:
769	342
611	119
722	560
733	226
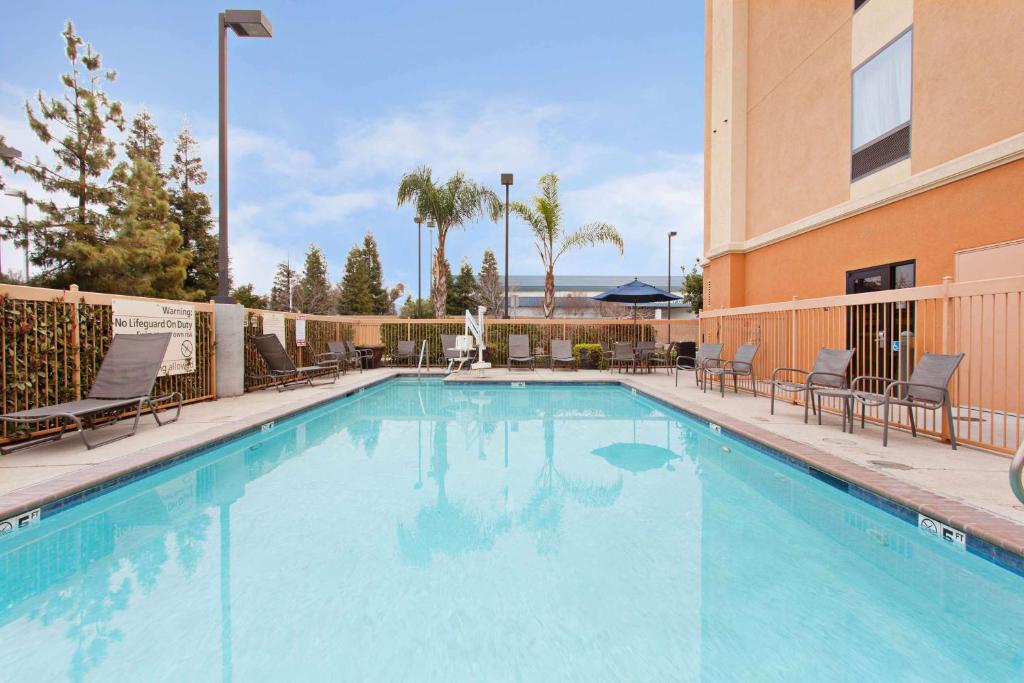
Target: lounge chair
338	351
697	363
124	381
828	372
519	351
742	365
281	367
365	355
406	352
561	352
928	388
622	356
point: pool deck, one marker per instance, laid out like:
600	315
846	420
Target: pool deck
967	488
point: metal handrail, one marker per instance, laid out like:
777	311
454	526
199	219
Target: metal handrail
423	353
1016	469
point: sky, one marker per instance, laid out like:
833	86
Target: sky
326	116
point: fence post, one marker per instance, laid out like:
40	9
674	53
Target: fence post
792	334
76	358
947	344
229	338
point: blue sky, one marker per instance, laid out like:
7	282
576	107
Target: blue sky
327	115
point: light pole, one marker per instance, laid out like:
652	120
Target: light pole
430	228
246	23
506	180
419	262
24	225
671	234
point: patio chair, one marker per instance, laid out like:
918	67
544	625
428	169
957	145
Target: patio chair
828	372
365	355
561	352
928	388
622	355
338	351
406	352
519	351
660	357
281	367
742	365
125	381
697	363
448	350
606	353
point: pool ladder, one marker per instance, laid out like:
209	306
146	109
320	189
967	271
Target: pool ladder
423	354
1016	470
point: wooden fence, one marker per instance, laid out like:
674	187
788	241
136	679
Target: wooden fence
890	330
54	341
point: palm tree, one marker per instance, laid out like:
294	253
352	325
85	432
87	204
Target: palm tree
545	219
449	205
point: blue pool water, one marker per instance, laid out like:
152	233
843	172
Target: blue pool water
419	531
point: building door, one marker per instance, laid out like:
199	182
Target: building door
882	333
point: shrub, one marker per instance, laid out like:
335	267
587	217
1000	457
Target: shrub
588	355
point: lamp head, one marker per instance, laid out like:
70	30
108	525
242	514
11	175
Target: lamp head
506	179
248	23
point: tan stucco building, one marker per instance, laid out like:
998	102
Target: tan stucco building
853	145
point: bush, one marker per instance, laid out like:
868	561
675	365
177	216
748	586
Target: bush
588	355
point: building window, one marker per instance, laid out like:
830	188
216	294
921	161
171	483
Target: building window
881	278
881	108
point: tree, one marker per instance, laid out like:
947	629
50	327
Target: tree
144	142
355	297
381	303
245	296
410	309
282	289
489	288
460	298
81	114
450	205
144	256
693	288
394	294
191	210
545	219
313	294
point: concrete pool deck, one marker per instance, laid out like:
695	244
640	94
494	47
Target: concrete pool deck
967	488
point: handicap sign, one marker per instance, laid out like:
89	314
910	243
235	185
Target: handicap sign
895	345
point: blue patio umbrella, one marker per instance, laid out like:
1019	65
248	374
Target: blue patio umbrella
636	292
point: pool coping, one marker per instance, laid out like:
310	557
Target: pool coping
994	538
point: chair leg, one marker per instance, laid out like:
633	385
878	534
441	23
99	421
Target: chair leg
818	398
885	424
735	383
913	426
753	384
771	403
807	402
952	425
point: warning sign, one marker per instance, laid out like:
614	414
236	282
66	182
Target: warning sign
148	317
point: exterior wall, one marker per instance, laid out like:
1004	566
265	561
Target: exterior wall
968	77
983	209
990	261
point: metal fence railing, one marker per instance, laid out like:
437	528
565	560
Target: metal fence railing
984	320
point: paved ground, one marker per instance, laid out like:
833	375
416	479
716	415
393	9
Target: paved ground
975	478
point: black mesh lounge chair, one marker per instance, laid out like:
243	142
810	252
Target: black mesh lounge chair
365	356
622	356
697	363
337	351
742	365
928	388
405	353
281	367
561	352
828	372
124	381
519	351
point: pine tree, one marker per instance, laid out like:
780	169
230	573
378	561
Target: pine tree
144	142
84	153
381	302
409	310
356	298
193	214
490	290
284	283
244	295
460	295
145	257
314	289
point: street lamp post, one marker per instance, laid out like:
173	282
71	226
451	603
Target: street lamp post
24	225
671	234
419	262
506	180
246	23
430	228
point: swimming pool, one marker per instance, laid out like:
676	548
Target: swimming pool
421	530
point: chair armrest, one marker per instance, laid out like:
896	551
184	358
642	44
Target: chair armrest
326	355
692	366
776	371
902	383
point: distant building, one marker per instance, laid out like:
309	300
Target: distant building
860	145
573	297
